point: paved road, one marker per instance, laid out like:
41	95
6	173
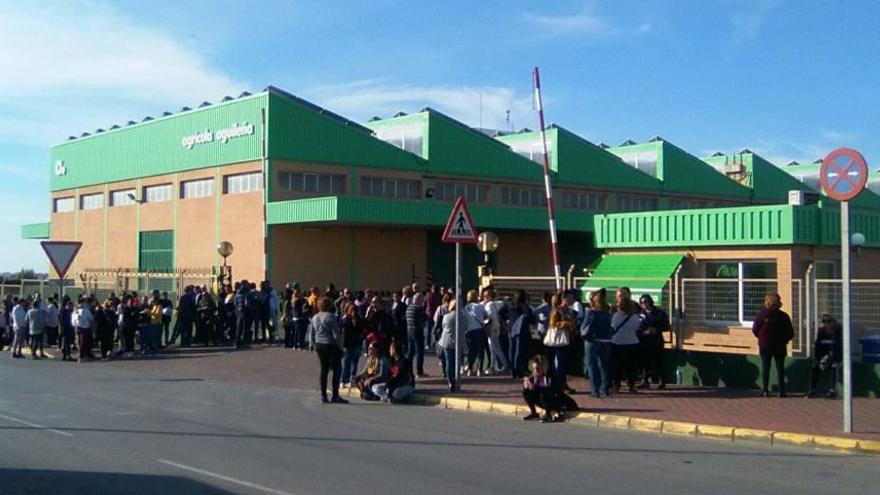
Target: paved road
67	428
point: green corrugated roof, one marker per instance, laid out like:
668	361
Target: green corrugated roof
642	273
580	162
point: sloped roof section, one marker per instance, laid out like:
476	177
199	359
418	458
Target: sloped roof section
300	130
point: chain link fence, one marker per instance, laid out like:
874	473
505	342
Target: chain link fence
864	307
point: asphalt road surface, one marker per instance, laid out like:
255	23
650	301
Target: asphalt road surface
87	428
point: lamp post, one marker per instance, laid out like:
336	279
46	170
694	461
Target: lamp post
857	240
225	249
487	242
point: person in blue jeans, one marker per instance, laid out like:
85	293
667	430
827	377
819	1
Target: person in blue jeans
415	332
352	342
596	333
521	319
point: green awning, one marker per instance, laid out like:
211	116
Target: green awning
642	273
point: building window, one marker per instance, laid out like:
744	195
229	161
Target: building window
312	183
157	194
91	201
533	150
124	197
583	200
523	196
473	193
636	203
687	204
407	138
391	188
735	290
63	205
201	188
243	183
646	161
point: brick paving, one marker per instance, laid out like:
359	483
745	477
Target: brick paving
275	366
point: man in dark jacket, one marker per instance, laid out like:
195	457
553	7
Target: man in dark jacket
655	322
827	355
415	333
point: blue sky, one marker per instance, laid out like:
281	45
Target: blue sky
790	80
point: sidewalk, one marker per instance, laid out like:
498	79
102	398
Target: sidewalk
740	409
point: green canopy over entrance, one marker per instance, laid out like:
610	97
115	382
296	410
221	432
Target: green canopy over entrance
642	273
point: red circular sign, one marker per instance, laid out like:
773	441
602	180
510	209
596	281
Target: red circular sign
843	174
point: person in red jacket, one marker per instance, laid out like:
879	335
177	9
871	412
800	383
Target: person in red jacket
774	331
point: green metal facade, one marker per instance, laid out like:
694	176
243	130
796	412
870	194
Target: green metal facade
156	147
345	209
746	226
156	251
36	230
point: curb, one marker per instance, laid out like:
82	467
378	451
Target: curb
662	427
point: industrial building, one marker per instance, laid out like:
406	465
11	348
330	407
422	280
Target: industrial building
304	194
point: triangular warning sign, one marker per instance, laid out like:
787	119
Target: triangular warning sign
460	227
61	254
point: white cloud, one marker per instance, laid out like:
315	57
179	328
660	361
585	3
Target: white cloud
585	23
69	67
748	23
362	99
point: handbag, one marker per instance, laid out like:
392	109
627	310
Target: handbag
556	337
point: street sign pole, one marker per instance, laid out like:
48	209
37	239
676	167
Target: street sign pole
843	176
458	301
847	330
459	229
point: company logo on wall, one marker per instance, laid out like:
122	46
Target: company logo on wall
60	168
222	135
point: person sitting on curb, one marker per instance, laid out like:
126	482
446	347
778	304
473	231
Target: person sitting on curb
375	372
539	390
828	353
401	381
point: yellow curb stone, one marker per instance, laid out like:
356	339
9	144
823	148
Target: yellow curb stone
848	444
586	417
870	446
679	428
714	431
614	421
644	424
480	406
502	408
751	435
456	403
799	439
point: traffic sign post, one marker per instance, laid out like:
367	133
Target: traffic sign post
61	255
460	229
843	175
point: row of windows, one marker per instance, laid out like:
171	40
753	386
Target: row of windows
450	191
636	203
384	187
160	193
523	196
583	200
327	184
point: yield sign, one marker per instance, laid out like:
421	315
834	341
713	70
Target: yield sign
460	227
843	174
61	254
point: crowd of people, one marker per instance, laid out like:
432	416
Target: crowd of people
615	345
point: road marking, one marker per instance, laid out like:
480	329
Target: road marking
223	478
34	425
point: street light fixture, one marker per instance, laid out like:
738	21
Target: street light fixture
487	242
134	198
857	240
225	249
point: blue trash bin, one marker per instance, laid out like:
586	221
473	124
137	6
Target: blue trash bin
870	349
